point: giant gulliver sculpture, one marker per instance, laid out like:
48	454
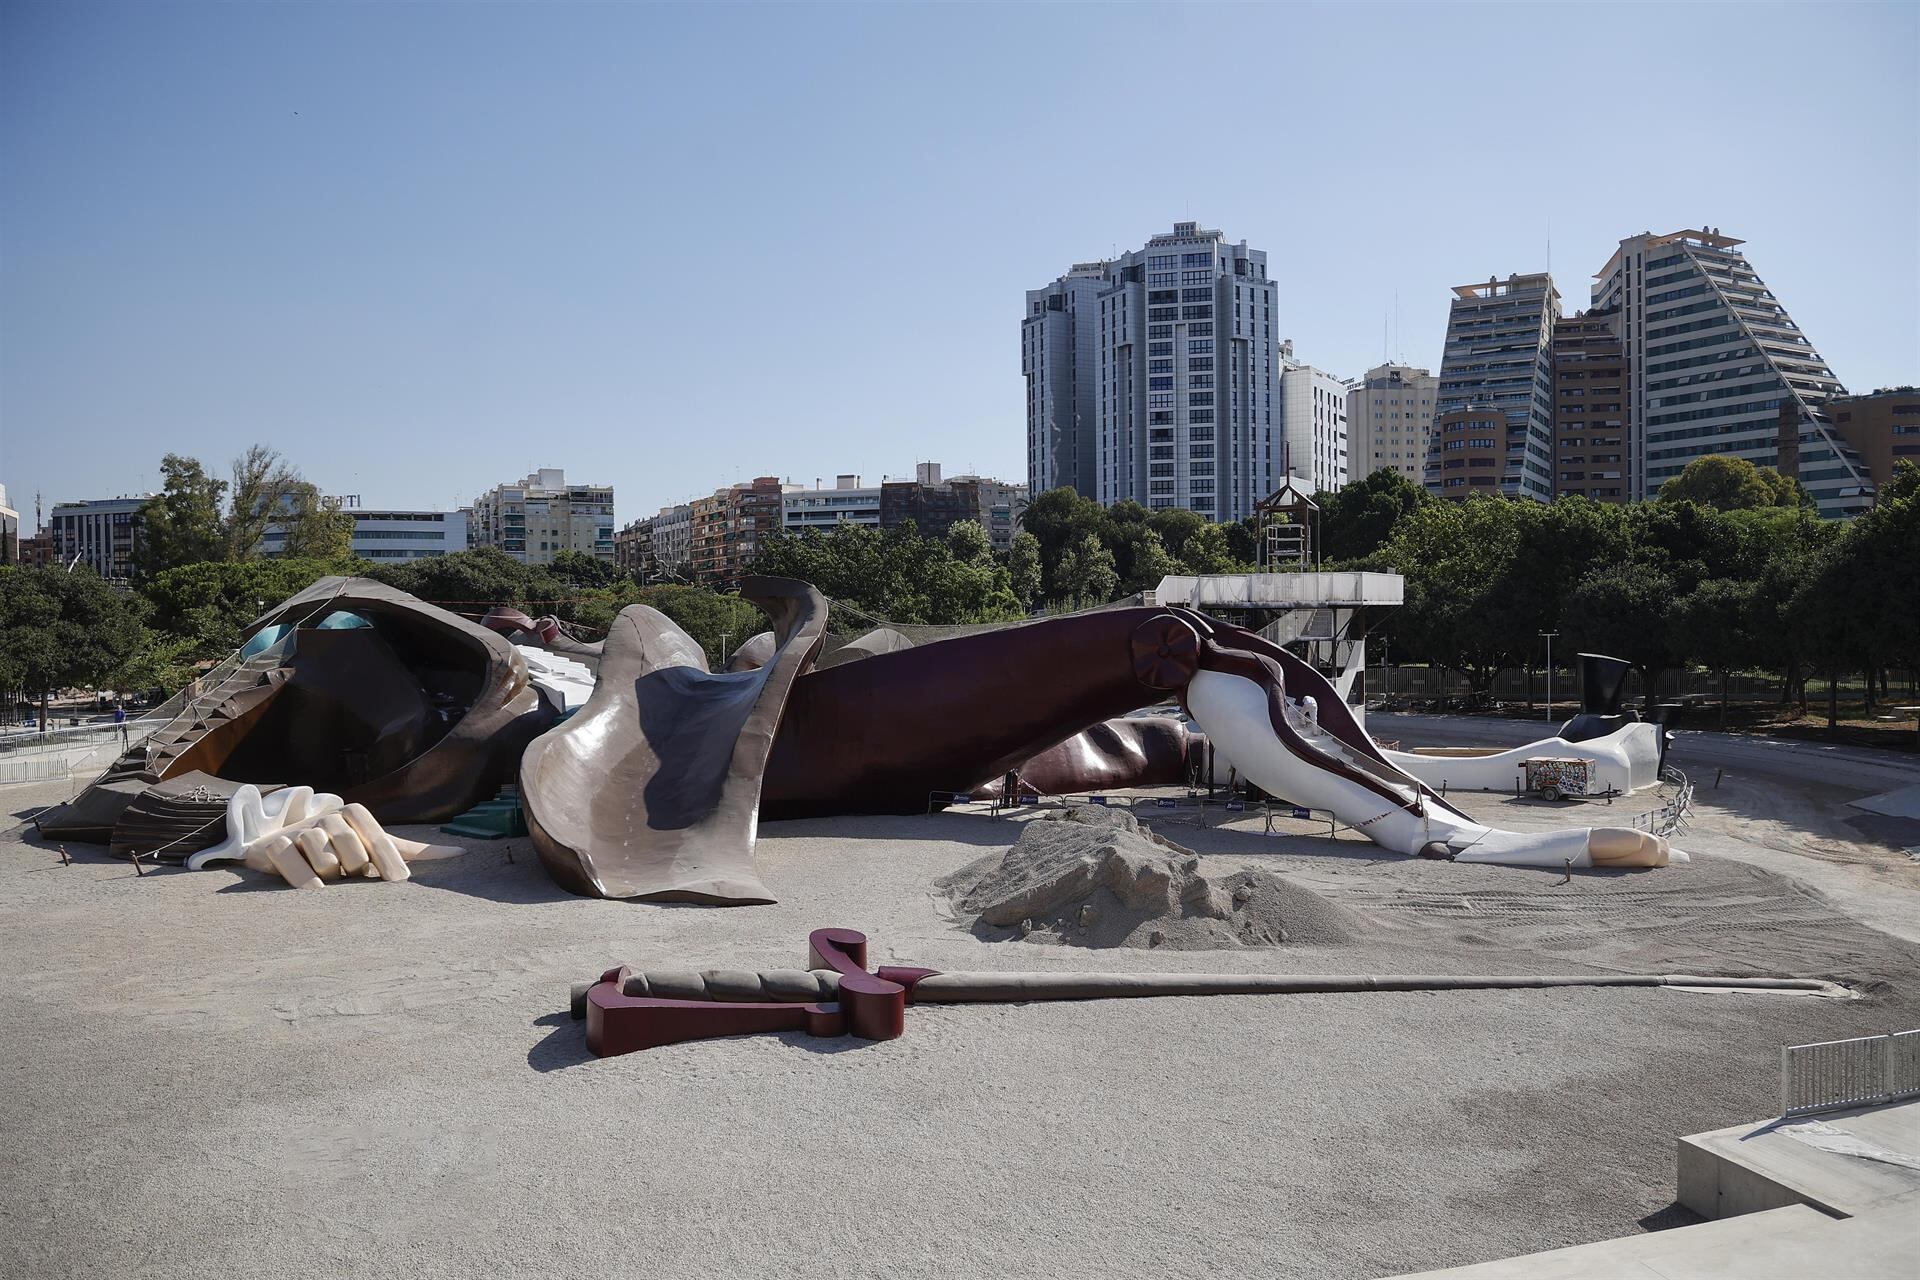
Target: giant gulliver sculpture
655	787
655	790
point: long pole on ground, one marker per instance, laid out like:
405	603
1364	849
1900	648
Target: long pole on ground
1549	635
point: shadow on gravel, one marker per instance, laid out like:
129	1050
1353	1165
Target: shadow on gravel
506	872
564	1046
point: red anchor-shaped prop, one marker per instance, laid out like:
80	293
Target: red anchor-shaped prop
872	1006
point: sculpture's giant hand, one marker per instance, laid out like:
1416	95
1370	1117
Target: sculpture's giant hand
307	838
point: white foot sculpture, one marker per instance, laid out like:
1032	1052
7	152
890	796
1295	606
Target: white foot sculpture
308	837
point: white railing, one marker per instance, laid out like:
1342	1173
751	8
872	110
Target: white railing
1863	1072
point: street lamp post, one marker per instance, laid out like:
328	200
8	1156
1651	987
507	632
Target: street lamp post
1549	635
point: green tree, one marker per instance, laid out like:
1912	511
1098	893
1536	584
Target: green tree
578	569
59	630
1457	559
1359	519
184	523
1023	569
204	607
1243	540
317	528
1151	563
267	490
1175	525
1727	483
1712	625
1205	551
466	581
967	543
1626	610
1084	575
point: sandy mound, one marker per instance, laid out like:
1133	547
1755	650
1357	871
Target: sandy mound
1094	877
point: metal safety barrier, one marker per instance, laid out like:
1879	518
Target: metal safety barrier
1862	1072
1671	817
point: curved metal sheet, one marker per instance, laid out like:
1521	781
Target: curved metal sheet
652	790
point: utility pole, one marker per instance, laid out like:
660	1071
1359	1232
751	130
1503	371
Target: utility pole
1549	635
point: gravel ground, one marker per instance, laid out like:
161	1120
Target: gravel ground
211	1075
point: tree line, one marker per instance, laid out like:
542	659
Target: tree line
1729	569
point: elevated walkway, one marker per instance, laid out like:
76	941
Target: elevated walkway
1835	1194
1843	1163
1792	1243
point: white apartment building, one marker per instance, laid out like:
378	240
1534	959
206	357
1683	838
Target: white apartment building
1390	421
99	533
1314	413
848	502
541	516
390	535
1179	357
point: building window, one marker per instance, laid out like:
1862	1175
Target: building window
1201	347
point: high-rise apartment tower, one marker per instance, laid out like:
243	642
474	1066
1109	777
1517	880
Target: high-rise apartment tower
1498	361
1179	356
1710	357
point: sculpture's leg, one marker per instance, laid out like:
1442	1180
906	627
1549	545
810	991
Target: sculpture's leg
1249	697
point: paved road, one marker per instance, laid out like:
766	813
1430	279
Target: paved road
1855	768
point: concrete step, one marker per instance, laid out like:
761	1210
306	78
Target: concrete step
1792	1243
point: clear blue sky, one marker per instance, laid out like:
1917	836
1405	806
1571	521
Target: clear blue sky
424	248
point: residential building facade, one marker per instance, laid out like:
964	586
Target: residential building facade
9	531
1468	455
1590	442
1390	421
37	552
849	502
670	541
1499	356
100	533
539	517
1184	369
1883	428
632	546
1059	351
730	526
1711	355
1314	413
392	535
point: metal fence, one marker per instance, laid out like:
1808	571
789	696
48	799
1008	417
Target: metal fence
1671	817
1405	685
1836	1074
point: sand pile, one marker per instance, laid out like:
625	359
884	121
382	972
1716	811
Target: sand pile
1094	877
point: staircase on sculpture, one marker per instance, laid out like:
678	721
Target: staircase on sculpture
500	818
